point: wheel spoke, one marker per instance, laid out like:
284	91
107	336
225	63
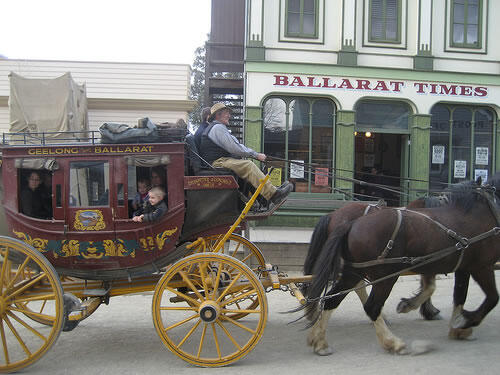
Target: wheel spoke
240	296
236	248
238	324
28	285
178	308
202	339
216	339
184	296
236	278
190	285
189	333
4	342
4	265
229	335
46	317
26	325
181	322
19	271
240	311
41	297
16	334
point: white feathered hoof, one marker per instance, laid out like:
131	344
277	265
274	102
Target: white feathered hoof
458	322
460	333
419	347
323	351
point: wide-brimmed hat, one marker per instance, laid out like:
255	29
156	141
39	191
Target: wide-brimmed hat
216	108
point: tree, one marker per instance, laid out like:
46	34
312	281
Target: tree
198	85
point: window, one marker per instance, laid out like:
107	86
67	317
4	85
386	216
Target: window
300	129
466	23
385	21
302	17
388	115
461	144
89	184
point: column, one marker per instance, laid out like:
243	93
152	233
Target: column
419	155
344	149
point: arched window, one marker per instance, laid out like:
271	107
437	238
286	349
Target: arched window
461	144
300	129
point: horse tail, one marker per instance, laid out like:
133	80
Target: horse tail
318	238
328	265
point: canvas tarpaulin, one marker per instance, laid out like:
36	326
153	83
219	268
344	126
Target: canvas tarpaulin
47	105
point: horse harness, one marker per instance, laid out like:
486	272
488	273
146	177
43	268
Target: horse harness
461	244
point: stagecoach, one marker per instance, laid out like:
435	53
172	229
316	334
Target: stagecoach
57	271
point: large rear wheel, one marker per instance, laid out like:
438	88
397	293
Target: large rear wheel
201	329
29	288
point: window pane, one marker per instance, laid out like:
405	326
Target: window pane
308	26
458	13
322	145
471	34
298	137
472	15
458	33
294	6
483	139
309	6
293	25
391	30
377	29
391	9
461	141
382	114
274	127
89	184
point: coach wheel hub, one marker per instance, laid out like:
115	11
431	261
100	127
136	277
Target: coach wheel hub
209	311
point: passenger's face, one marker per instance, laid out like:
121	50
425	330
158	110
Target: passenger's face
154	198
142	188
156	179
34	181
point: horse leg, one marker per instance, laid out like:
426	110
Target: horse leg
373	308
459	295
486	280
317	335
422	299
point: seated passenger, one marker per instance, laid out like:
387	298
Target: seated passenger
158	177
154	208
143	185
33	200
222	150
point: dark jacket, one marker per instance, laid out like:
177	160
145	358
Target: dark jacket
209	150
34	203
150	212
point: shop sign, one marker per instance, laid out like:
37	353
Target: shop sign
275	177
460	170
482	155
438	154
373	85
321	177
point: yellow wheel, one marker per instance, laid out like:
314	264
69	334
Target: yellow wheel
30	288
202	329
240	248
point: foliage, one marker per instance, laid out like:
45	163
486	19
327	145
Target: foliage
198	85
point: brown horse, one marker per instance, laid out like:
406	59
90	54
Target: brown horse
458	237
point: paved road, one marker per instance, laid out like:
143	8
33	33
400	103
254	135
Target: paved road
120	339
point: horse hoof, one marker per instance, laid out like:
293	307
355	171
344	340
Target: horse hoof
403	306
460	334
458	322
324	351
419	347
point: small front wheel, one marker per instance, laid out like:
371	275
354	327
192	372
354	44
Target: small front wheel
200	328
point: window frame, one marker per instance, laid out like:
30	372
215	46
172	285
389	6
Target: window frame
479	43
398	38
301	34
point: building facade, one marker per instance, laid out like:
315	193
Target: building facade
116	92
410	88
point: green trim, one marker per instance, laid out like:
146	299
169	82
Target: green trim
344	149
253	128
419	154
347	58
424	63
384	73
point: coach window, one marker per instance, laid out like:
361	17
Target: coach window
89	184
301	130
461	144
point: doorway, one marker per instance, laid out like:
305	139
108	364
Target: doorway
380	159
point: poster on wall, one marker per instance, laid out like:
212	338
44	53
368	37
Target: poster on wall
369	145
369	160
438	154
275	177
483	173
460	170
482	155
321	177
297	170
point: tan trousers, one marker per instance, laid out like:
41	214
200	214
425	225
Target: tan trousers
247	170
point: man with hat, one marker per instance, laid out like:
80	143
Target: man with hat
222	150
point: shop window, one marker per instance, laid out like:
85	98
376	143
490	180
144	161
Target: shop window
383	115
385	21
302	18
466	23
300	130
461	144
